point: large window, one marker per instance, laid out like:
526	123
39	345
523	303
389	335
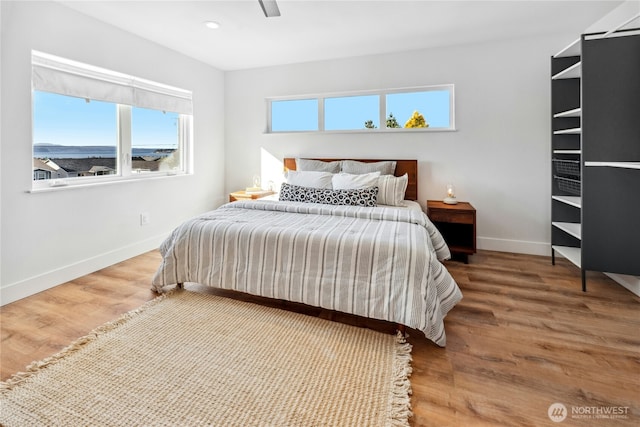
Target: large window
427	108
92	125
73	137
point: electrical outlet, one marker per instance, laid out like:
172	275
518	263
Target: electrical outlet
145	219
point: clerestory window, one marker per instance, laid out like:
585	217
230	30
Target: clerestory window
425	108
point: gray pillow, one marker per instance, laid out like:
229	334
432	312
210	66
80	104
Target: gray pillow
384	167
317	165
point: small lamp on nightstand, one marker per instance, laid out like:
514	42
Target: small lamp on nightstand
451	195
257	187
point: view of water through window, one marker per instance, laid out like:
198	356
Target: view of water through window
75	137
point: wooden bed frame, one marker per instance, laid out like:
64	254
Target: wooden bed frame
410	167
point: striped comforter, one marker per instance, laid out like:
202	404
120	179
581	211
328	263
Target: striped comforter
381	263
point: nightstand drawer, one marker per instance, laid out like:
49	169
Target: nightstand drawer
451	216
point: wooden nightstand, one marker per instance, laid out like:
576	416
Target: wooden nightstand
242	195
457	223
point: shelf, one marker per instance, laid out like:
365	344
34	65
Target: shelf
572	254
567	151
576	112
573	72
574	201
571	228
597	188
572	131
622	165
574	49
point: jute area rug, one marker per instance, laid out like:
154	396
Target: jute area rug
190	359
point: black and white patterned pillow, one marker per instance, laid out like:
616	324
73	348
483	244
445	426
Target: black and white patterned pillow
355	197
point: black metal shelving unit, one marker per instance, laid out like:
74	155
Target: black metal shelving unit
595	184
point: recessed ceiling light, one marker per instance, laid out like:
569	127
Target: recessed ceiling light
212	24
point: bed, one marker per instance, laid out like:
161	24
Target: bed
381	262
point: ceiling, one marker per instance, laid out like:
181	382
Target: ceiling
318	30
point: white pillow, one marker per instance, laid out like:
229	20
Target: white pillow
311	179
347	181
391	189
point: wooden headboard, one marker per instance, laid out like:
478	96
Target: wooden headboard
410	167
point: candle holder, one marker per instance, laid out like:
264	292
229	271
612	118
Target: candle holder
451	195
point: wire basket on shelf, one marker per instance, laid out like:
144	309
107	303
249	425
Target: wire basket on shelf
568	185
568	168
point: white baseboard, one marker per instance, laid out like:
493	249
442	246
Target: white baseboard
515	246
42	282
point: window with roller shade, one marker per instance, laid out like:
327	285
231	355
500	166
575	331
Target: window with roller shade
94	125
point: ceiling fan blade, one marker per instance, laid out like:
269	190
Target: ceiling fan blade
270	8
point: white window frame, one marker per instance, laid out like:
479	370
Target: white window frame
135	92
382	109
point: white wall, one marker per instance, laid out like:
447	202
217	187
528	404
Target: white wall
617	17
499	159
49	238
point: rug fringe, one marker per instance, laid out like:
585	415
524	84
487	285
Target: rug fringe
78	344
400	400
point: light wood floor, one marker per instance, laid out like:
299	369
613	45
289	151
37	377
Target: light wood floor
523	337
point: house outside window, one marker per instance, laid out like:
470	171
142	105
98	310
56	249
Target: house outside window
93	125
